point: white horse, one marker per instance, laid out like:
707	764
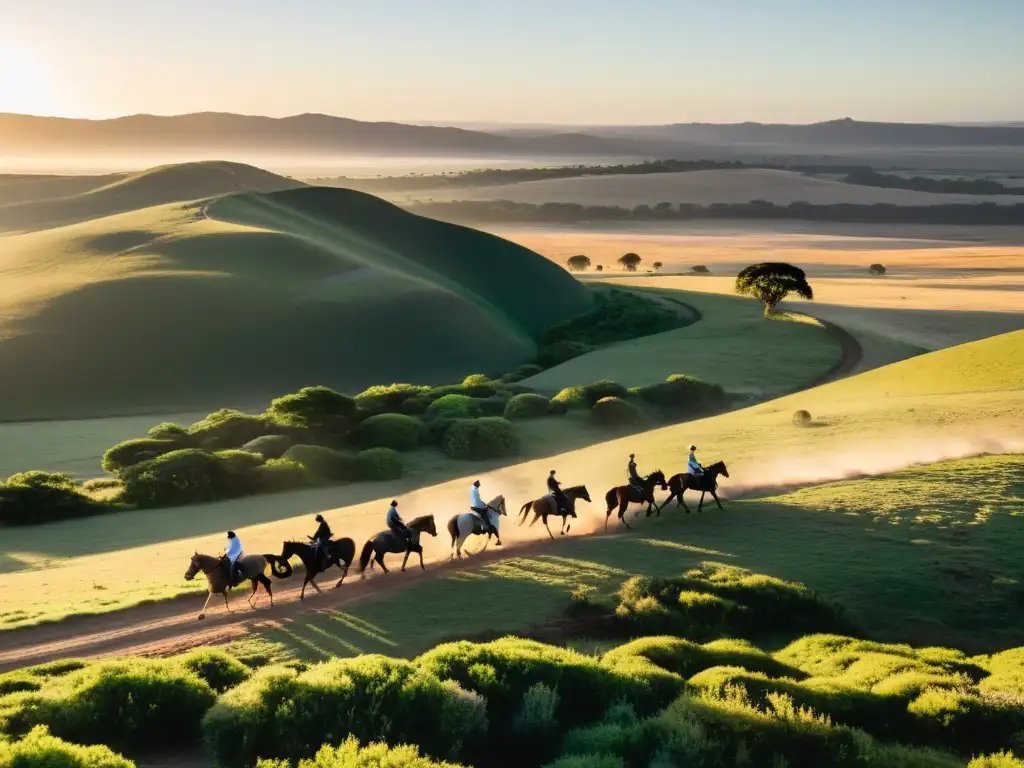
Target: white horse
464	525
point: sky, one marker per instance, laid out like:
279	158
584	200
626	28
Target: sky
570	62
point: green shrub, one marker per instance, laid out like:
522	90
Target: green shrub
588	761
486	438
94	484
324	413
616	316
433	432
57	668
388	398
614	412
189	476
572	397
527	406
323	464
228	428
557	407
476	380
15	682
1006	674
220	670
350	755
130	452
414	406
269	446
453	407
41	750
279	713
494	405
167	430
128	704
602	389
686	658
281	475
389	430
559	352
32	498
378	464
682	396
998	760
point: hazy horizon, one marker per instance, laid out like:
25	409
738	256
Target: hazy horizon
573	63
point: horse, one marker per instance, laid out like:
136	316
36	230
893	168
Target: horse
387	542
705	483
464	525
545	506
218	575
338	553
622	495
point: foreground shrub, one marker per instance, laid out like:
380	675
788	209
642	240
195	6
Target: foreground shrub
686	658
218	669
326	414
350	755
486	438
389	430
128	704
614	412
189	476
32	498
279	713
527	406
378	464
269	446
323	464
453	406
682	396
41	750
20	680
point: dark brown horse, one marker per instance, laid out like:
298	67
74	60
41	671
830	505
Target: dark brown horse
624	495
337	553
705	483
387	542
545	507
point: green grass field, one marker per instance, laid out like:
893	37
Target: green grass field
957	402
731	345
202	305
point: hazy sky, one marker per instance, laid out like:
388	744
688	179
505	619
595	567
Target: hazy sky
564	61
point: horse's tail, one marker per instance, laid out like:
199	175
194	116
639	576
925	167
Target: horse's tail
453	528
279	566
364	557
525	511
612	499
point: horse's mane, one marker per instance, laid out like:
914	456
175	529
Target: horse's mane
420	519
496	500
576	488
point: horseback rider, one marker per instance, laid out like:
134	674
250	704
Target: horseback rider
397	526
322	538
634	477
233	552
561	500
476	504
693	466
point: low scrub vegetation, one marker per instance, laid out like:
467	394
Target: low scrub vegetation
616	316
31	498
41	750
486	438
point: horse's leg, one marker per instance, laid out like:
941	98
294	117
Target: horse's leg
302	594
680	499
715	497
266	585
420	553
700	504
608	514
315	585
226	603
202	613
255	585
344	573
622	513
549	527
380	562
406	559
666	502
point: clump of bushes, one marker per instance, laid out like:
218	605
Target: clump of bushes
559	352
130	452
327	415
378	464
269	446
370	698
527	406
486	438
476	380
389	430
350	755
681	396
388	398
453	406
586	396
228	428
616	316
189	476
31	498
41	750
218	669
614	412
323	464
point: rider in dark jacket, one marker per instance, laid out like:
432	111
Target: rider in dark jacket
561	500
634	476
322	537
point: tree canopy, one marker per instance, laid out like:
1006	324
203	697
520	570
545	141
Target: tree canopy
770	282
877	269
630	261
578	263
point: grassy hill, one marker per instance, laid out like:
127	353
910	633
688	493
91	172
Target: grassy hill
50	201
243	297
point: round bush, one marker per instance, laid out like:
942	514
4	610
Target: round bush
453	407
801	418
280	475
602	389
557	407
414	406
41	750
322	464
681	395
486	438
494	406
185	476
228	428
168	431
389	430
614	412
528	406
378	464
572	397
220	670
432	432
269	446
31	498
388	398
130	452
475	380
327	414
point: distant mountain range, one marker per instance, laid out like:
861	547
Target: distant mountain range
313	133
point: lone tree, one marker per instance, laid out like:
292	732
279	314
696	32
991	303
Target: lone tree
578	263
877	269
700	269
630	261
770	282
657	266
599	267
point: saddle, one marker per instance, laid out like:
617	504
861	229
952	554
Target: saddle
636	488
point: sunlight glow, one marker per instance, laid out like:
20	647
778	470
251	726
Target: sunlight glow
24	85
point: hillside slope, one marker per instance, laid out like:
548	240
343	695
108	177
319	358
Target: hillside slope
219	302
57	201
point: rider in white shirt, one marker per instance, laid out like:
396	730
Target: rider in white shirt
476	504
234	551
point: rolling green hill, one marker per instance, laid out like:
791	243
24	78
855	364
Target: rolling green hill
247	296
28	203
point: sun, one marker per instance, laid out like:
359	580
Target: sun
24	84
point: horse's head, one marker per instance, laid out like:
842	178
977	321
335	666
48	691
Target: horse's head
657	477
194	567
584	494
424	524
719	468
498	504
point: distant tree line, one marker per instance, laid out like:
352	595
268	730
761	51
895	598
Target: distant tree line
506	211
867	177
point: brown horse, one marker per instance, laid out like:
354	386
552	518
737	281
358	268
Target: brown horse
705	483
218	575
387	542
623	495
545	507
